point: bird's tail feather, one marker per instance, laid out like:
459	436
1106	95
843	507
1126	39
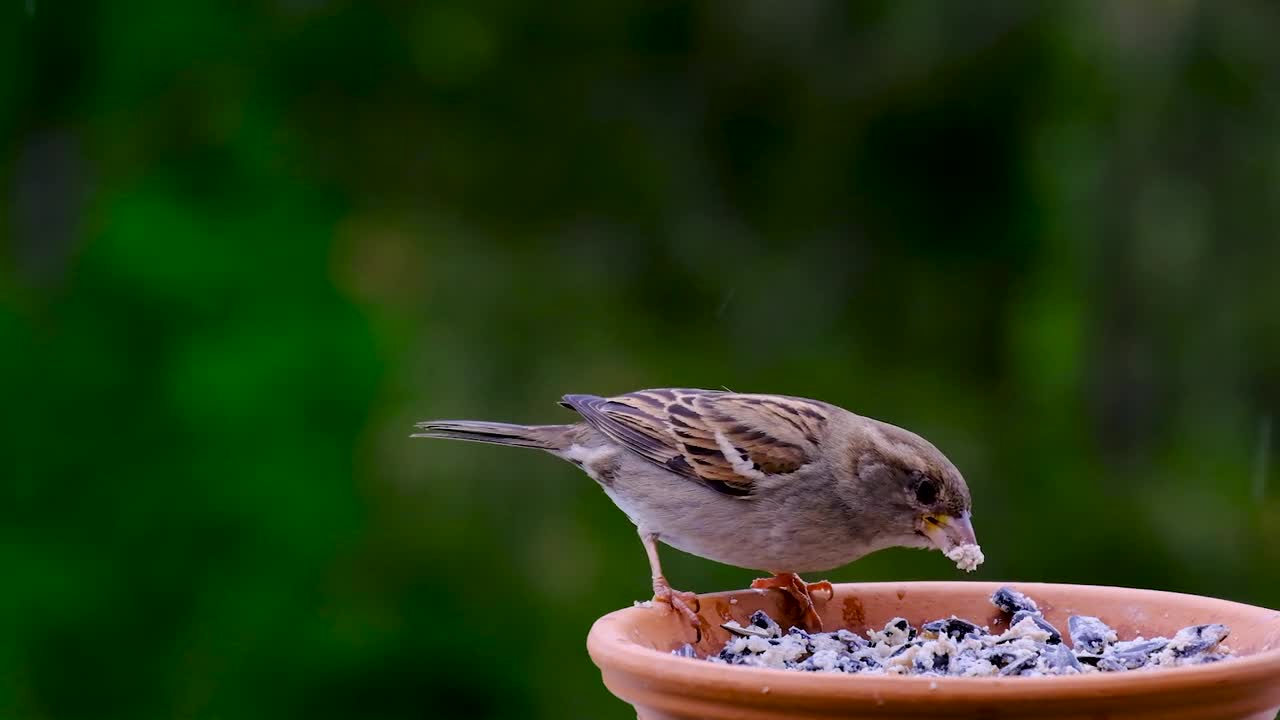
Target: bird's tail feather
542	437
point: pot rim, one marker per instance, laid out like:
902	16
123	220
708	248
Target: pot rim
610	647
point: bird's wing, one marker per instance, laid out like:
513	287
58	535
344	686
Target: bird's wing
730	441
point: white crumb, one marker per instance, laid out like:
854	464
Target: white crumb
1026	628
896	632
966	557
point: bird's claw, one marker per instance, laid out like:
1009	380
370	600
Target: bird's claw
685	603
823	585
797	588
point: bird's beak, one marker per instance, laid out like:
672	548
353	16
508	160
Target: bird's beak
947	532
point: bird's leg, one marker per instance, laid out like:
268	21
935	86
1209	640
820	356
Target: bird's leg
797	588
685	603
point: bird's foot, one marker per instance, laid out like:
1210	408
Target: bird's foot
797	588
685	603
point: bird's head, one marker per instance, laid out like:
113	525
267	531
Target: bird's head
919	497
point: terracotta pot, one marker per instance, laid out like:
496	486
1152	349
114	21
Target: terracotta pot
632	648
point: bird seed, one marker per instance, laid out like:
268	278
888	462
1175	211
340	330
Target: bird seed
955	647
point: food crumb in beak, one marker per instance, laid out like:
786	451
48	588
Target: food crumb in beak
967	557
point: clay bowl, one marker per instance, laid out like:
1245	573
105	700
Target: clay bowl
632	648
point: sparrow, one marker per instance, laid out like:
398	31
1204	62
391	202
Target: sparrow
779	484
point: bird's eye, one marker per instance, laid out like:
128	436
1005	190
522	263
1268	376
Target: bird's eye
926	491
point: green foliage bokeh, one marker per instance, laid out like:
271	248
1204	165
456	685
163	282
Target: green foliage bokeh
245	248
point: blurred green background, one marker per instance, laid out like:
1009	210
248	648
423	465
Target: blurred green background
245	248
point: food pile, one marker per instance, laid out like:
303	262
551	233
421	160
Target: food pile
955	647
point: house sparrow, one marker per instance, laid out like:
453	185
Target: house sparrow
767	482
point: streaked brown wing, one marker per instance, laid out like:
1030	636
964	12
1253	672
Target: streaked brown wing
726	440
